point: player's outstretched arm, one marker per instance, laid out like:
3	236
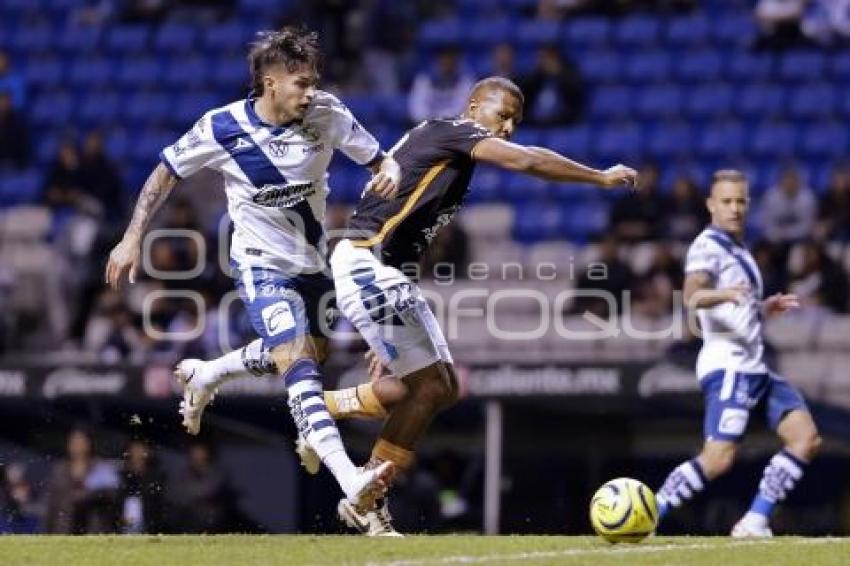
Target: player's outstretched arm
547	164
386	176
780	303
125	256
699	292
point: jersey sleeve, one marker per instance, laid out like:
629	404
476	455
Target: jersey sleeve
353	139
461	136
703	255
195	150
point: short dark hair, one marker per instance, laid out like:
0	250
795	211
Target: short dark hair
291	46
498	83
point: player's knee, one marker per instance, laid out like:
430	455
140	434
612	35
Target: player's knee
716	461
285	355
390	391
436	387
808	446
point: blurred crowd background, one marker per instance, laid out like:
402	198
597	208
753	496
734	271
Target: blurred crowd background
90	92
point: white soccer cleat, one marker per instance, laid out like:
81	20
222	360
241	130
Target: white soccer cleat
375	523
748	527
370	485
196	394
310	461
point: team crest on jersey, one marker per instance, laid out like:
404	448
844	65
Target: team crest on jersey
278	148
310	133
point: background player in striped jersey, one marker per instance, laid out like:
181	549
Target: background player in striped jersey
273	151
723	284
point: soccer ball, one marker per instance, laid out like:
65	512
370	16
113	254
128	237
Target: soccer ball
623	510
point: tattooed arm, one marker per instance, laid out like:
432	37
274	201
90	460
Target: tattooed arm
126	255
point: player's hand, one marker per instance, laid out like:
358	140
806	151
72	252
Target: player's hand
780	303
737	293
619	176
123	257
377	370
383	185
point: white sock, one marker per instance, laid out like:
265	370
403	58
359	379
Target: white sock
253	359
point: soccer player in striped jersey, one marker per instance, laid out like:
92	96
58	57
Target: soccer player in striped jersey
273	151
723	285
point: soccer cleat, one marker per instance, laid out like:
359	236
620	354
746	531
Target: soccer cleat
309	459
375	523
748	528
370	485
196	394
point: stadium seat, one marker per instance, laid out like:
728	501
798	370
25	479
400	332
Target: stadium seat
773	139
746	66
601	66
538	221
135	72
658	101
118	144
560	253
128	39
710	101
588	32
814	100
46	147
684	31
760	99
439	33
191	105
20	187
611	102
839	65
802	65
79	38
99	110
616	142
91	71
648	66
525	188
394	109
573	142
44	72
637	31
226	36
537	33
835	333
488	32
37	38
229	72
175	38
580	222
51	107
488	222
671	140
147	107
734	28
827	138
24	223
486	185
721	139
699	66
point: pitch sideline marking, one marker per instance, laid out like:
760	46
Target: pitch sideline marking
477	559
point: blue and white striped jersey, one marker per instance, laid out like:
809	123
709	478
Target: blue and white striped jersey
732	333
275	177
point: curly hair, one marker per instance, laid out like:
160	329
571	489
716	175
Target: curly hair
291	46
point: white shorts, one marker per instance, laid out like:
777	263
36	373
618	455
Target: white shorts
388	310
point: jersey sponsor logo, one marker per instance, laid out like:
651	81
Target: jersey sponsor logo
313	149
278	148
278	318
442	220
283	196
733	421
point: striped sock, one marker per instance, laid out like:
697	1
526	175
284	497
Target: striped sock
682	484
314	422
780	476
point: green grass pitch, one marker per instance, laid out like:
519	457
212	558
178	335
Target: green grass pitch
285	550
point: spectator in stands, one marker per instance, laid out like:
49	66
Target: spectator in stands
200	494
20	514
63	183
442	91
834	214
687	214
553	90
773	267
82	490
609	275
390	32
142	490
14	135
11	82
654	295
99	178
828	22
788	210
111	331
780	24
820	281
144	11
638	216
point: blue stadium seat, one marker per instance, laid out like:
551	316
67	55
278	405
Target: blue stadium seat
438	33
174	37
761	99
573	142
489	32
147	108
610	101
537	32
174	74
721	139
46	147
226	36
648	66
135	71
699	66
38	38
528	135
190	106
745	66
618	142
79	38
688	30
520	188
394	109
734	28
671	140
44	72
583	221
364	107
486	185
635	31
824	139
538	221
586	32
145	148
90	71
51	108
839	65
20	187
100	109
802	65
816	100
117	144
230	72
710	100
128	39
603	65
773	139
659	101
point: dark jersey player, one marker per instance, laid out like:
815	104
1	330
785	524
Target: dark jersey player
437	159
